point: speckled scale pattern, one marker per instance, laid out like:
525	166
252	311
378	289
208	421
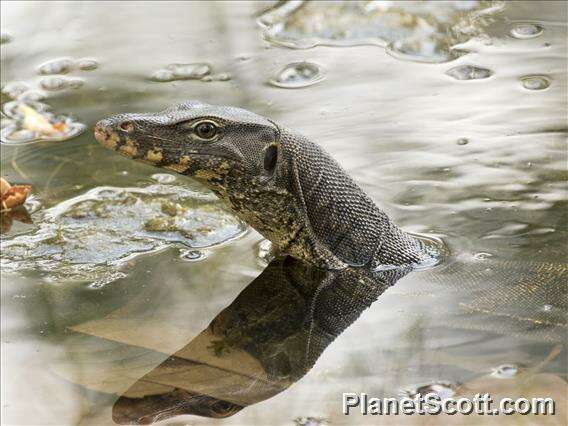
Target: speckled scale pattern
307	205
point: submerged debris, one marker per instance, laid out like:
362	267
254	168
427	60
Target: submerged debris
89	236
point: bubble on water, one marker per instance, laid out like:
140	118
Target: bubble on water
87	64
526	30
57	66
163	76
192	255
310	421
469	72
482	256
89	236
75	83
297	74
462	141
505	371
190	71
55	83
5	38
177	71
535	82
31	96
443	389
15	89
224	76
163	178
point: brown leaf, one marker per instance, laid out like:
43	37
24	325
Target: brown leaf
15	196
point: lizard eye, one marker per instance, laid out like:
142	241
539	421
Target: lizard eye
206	130
270	158
127	126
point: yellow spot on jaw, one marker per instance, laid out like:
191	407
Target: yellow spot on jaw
154	156
128	150
111	141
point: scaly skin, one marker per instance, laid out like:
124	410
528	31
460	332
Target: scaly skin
286	187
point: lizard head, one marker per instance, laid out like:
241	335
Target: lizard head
283	185
195	139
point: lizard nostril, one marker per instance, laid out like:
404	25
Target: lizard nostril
127	126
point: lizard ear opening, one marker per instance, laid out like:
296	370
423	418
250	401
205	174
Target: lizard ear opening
270	159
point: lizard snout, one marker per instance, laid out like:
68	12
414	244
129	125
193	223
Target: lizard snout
106	135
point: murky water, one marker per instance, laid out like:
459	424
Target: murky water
452	116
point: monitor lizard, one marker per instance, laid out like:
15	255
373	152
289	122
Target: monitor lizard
286	187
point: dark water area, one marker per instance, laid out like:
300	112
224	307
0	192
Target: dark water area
124	281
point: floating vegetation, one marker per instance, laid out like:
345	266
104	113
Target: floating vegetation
415	31
525	30
66	65
90	236
34	123
29	120
297	74
469	72
535	82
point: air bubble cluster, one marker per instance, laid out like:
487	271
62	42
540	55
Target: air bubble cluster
66	65
193	71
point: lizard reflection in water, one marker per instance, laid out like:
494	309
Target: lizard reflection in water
267	339
294	194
